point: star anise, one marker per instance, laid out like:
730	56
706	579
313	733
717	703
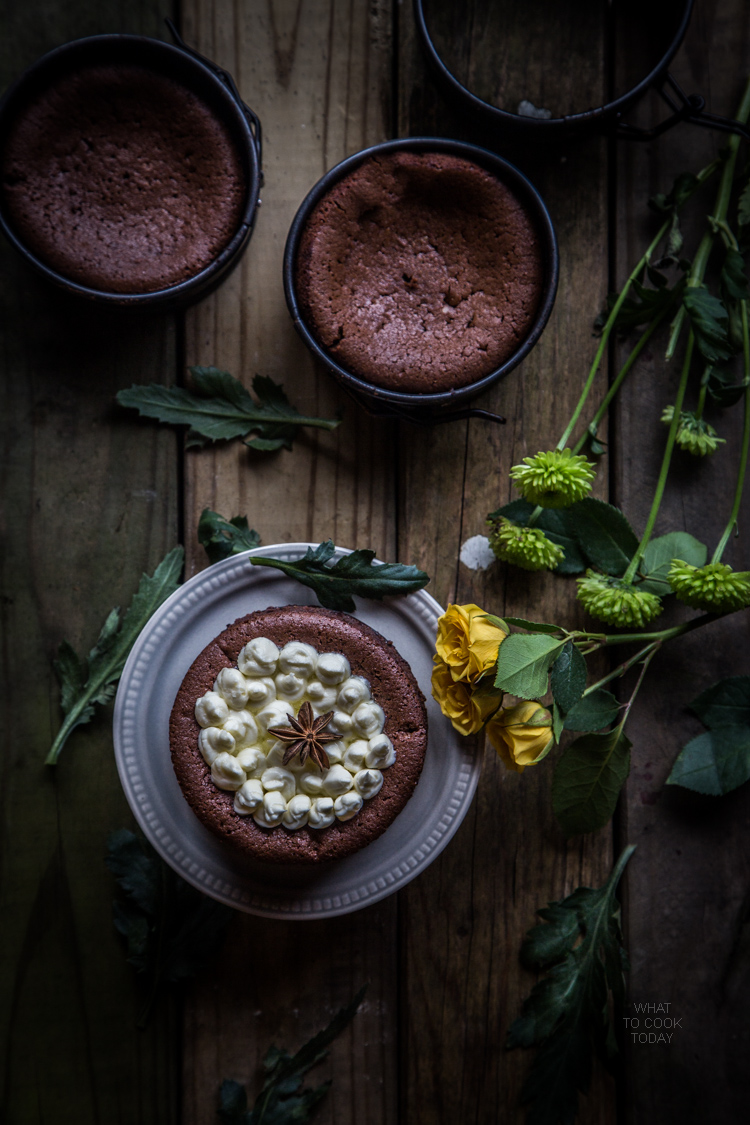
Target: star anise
305	736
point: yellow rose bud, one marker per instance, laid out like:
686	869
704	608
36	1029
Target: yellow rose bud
465	711
467	642
521	734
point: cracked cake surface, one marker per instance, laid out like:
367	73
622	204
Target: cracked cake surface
122	179
419	272
393	688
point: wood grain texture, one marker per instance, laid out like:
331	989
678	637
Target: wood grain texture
688	882
462	922
89	503
318	75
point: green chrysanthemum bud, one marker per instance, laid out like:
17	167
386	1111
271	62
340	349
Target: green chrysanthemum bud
615	601
555	479
694	435
714	587
527	547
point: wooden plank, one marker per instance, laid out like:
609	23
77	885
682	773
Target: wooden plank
90	502
464	919
687	900
318	76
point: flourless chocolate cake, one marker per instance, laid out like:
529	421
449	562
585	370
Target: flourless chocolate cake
419	272
247	686
122	179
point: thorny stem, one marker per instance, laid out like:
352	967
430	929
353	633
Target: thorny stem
721	546
664	471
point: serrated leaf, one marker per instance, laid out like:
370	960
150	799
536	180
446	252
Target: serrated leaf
725	703
233	1103
282	1100
71	673
221	538
568	1014
723	388
709	321
594	712
107	658
684	185
733	278
603	534
657	559
588	779
554	523
568	677
219	408
533	626
523	663
716	762
558	721
170	928
743	206
355	574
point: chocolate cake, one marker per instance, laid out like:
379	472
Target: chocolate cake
122	179
299	656
419	272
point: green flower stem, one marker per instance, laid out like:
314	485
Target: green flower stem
702	394
591	429
721	546
647	660
607	331
666	460
534	515
621	669
717	220
664	634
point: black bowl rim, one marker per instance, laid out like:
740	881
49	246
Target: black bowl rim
192	287
572	122
514	179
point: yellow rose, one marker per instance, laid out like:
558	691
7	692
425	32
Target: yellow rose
466	712
467	642
521	734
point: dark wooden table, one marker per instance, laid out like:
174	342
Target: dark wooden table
93	497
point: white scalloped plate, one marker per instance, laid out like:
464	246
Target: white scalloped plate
161	656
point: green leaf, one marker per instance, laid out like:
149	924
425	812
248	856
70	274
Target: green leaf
733	278
603	534
710	322
723	388
533	626
107	659
221	537
685	184
554	523
568	677
658	556
558	721
588	779
572	1011
169	927
523	663
716	762
725	703
743	206
352	574
219	408
594	712
283	1100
